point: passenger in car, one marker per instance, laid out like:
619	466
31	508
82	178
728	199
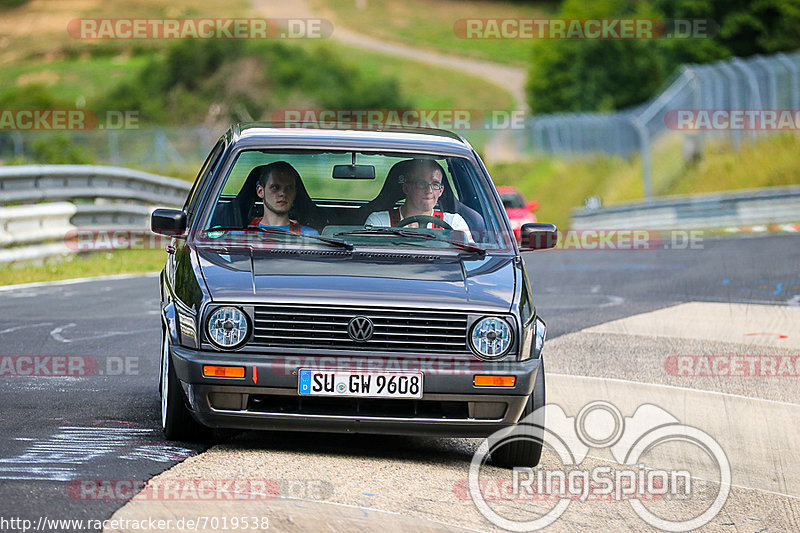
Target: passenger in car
422	186
277	187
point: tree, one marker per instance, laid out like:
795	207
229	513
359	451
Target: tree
601	75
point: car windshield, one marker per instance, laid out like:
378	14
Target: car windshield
512	201
424	201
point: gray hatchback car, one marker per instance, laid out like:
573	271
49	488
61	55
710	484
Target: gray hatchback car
348	280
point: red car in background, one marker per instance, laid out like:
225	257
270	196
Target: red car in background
519	211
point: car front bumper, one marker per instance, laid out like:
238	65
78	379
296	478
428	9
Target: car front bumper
267	397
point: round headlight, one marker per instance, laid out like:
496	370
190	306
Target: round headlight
491	337
228	327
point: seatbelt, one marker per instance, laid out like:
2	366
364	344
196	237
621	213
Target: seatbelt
294	226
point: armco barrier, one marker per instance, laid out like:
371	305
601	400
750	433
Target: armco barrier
30	224
742	208
37	230
47	183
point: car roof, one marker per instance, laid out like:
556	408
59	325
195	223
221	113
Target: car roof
350	137
507	189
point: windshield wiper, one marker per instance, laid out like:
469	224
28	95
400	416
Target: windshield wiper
381	230
278	231
464	246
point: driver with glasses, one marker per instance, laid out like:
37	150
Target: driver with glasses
422	186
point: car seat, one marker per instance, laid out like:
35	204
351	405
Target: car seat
392	192
246	205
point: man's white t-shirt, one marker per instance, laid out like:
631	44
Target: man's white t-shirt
456	221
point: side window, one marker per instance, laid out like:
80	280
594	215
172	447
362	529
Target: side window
193	200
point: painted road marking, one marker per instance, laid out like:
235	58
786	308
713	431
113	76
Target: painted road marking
60	456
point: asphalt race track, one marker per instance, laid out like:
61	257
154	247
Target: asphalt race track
615	318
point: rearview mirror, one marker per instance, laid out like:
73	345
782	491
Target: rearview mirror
353	172
169	222
538	236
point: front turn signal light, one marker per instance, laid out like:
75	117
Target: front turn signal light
494	381
210	371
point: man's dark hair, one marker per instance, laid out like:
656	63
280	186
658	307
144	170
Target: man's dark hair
278	166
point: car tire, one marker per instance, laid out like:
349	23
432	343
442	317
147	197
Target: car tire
525	452
176	420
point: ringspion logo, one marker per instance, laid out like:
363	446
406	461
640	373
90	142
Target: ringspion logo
631	440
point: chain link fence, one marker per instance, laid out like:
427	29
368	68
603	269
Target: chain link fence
166	150
758	83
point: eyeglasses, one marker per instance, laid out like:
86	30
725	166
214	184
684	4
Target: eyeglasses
424	185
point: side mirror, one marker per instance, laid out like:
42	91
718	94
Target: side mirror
538	236
533	205
169	222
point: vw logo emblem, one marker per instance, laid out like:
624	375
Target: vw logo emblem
360	328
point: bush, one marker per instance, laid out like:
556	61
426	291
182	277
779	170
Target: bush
58	150
7	4
31	96
193	79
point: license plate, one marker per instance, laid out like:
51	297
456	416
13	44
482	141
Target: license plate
360	384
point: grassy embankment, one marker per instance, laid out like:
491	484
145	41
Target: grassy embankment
430	24
559	185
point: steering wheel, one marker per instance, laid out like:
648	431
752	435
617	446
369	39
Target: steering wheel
424	219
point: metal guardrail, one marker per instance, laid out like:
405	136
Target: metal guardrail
40	230
773	205
36	223
40	183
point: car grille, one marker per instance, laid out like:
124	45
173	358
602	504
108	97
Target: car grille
360	407
395	330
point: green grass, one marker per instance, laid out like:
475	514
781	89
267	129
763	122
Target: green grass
773	161
85	265
431	86
560	185
71	79
429	24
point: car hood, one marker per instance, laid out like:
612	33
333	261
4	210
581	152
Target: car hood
401	280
